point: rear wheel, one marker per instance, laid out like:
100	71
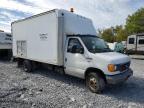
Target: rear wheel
19	62
27	66
95	82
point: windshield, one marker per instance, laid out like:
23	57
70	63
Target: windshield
95	44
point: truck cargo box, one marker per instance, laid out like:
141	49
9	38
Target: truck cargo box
41	37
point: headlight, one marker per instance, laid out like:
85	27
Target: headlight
111	68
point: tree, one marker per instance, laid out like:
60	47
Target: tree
107	35
121	35
134	25
135	22
118	34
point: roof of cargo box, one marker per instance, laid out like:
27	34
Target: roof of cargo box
137	35
73	23
140	34
54	10
34	16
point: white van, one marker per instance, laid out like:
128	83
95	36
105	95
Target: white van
68	43
135	44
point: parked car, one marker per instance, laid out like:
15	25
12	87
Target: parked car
117	47
68	43
112	45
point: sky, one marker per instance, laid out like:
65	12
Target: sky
104	13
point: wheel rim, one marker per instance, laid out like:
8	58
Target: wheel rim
25	69
92	83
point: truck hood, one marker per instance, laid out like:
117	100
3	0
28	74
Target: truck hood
113	57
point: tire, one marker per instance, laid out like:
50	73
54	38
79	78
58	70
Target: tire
125	51
9	55
27	66
95	82
19	63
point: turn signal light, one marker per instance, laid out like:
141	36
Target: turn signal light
111	68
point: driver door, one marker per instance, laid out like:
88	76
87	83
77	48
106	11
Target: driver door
75	62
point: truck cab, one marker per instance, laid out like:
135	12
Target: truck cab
88	57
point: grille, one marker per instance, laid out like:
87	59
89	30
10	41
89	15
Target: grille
123	67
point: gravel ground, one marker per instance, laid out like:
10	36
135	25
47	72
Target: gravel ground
45	88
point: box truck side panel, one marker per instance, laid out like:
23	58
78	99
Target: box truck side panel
140	44
131	42
38	37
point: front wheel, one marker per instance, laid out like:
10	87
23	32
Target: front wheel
95	82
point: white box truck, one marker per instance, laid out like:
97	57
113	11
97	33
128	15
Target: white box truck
68	43
135	44
5	45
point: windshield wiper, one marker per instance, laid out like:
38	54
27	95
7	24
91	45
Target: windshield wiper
108	49
103	50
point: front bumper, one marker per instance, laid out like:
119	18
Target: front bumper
114	79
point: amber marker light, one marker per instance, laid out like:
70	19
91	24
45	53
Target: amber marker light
111	68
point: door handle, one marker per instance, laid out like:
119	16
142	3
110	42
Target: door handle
88	58
65	59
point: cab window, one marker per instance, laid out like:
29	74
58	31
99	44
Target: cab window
72	42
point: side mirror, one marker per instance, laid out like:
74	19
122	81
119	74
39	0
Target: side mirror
77	49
